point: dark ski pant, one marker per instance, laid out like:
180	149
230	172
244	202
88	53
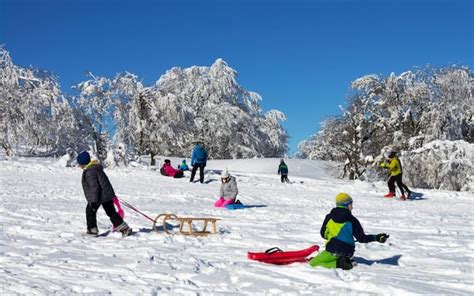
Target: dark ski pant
401	186
201	172
284	178
91	214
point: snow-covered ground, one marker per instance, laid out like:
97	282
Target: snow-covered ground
43	249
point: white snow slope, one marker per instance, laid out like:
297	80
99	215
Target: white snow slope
43	249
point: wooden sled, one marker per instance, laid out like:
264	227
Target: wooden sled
189	222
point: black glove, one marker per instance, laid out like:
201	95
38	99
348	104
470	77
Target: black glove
382	237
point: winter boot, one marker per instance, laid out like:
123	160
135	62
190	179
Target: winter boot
344	262
93	231
389	195
409	194
127	232
124	229
219	202
403	197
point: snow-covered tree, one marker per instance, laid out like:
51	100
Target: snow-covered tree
277	142
67	131
96	104
185	105
452	117
10	114
132	115
401	113
441	164
207	104
35	117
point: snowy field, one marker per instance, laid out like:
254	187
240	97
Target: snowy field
43	249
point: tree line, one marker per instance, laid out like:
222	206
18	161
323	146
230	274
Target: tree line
406	113
185	105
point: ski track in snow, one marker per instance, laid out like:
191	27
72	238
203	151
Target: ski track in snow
43	249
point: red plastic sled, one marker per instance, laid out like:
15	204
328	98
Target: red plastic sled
277	256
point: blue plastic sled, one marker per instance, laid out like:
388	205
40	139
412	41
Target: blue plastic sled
241	206
235	206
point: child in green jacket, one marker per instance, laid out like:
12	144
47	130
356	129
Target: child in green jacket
339	228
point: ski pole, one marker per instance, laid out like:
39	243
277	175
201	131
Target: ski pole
133	208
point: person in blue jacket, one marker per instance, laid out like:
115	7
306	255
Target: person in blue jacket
198	160
339	229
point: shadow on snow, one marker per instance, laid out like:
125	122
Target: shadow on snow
416	196
389	261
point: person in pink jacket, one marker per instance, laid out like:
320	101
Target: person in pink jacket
168	170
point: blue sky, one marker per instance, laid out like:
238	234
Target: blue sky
299	55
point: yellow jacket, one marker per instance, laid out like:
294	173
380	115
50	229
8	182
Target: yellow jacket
393	166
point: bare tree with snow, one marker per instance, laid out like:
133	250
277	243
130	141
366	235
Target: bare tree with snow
96	104
402	113
35	117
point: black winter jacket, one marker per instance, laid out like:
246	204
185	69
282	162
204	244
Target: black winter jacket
96	185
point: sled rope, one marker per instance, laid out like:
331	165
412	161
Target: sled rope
133	208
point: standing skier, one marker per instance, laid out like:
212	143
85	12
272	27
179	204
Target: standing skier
396	173
99	191
283	171
339	228
198	160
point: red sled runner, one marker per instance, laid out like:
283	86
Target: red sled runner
277	256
